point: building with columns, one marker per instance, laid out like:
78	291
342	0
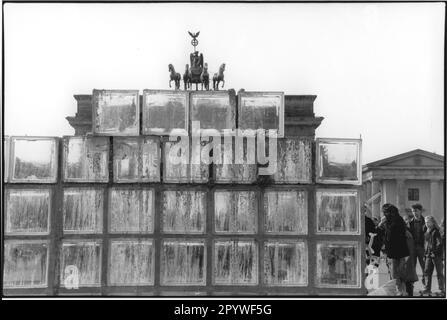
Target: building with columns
413	177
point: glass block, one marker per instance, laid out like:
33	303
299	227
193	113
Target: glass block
34	159
136	159
337	211
294	161
285	263
83	210
183	165
131	210
131	262
338	161
235	211
28	211
86	159
235	262
213	110
285	211
6	145
176	162
81	260
116	112
165	112
261	111
25	264
338	264
199	168
184	211
236	165
183	262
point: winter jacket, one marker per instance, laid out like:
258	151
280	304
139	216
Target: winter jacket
370	227
409	274
433	243
395	240
377	241
418	229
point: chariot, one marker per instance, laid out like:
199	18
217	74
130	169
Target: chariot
196	71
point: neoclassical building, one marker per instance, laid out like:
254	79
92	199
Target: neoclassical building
413	177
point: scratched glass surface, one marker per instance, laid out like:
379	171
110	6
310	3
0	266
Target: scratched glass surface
82	210
183	262
131	211
184	211
85	256
131	262
338	161
6	146
235	212
199	170
285	263
337	212
35	160
213	110
28	211
25	264
86	159
235	262
294	161
285	212
176	164
337	264
116	112
136	159
164	112
262	111
244	170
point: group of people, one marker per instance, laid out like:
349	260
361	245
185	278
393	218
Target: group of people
402	242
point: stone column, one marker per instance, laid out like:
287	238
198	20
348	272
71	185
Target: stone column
375	205
382	193
400	195
368	190
435	199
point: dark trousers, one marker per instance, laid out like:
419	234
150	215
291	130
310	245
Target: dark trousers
430	264
420	255
409	288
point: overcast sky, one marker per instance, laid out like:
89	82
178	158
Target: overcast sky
377	69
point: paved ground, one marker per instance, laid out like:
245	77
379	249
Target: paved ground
384	277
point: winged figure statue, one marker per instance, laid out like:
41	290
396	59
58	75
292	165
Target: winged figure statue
196	60
194	35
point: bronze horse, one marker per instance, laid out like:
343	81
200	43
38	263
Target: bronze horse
187	78
205	77
174	76
218	77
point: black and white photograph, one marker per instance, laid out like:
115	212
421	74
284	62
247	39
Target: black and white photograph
218	151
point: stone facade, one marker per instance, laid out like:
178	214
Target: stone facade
405	179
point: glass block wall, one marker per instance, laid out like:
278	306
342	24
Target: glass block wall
110	215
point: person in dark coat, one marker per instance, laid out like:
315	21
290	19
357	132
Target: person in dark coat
433	255
417	229
442	230
372	231
395	243
410	275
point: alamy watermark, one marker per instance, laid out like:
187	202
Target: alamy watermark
205	147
